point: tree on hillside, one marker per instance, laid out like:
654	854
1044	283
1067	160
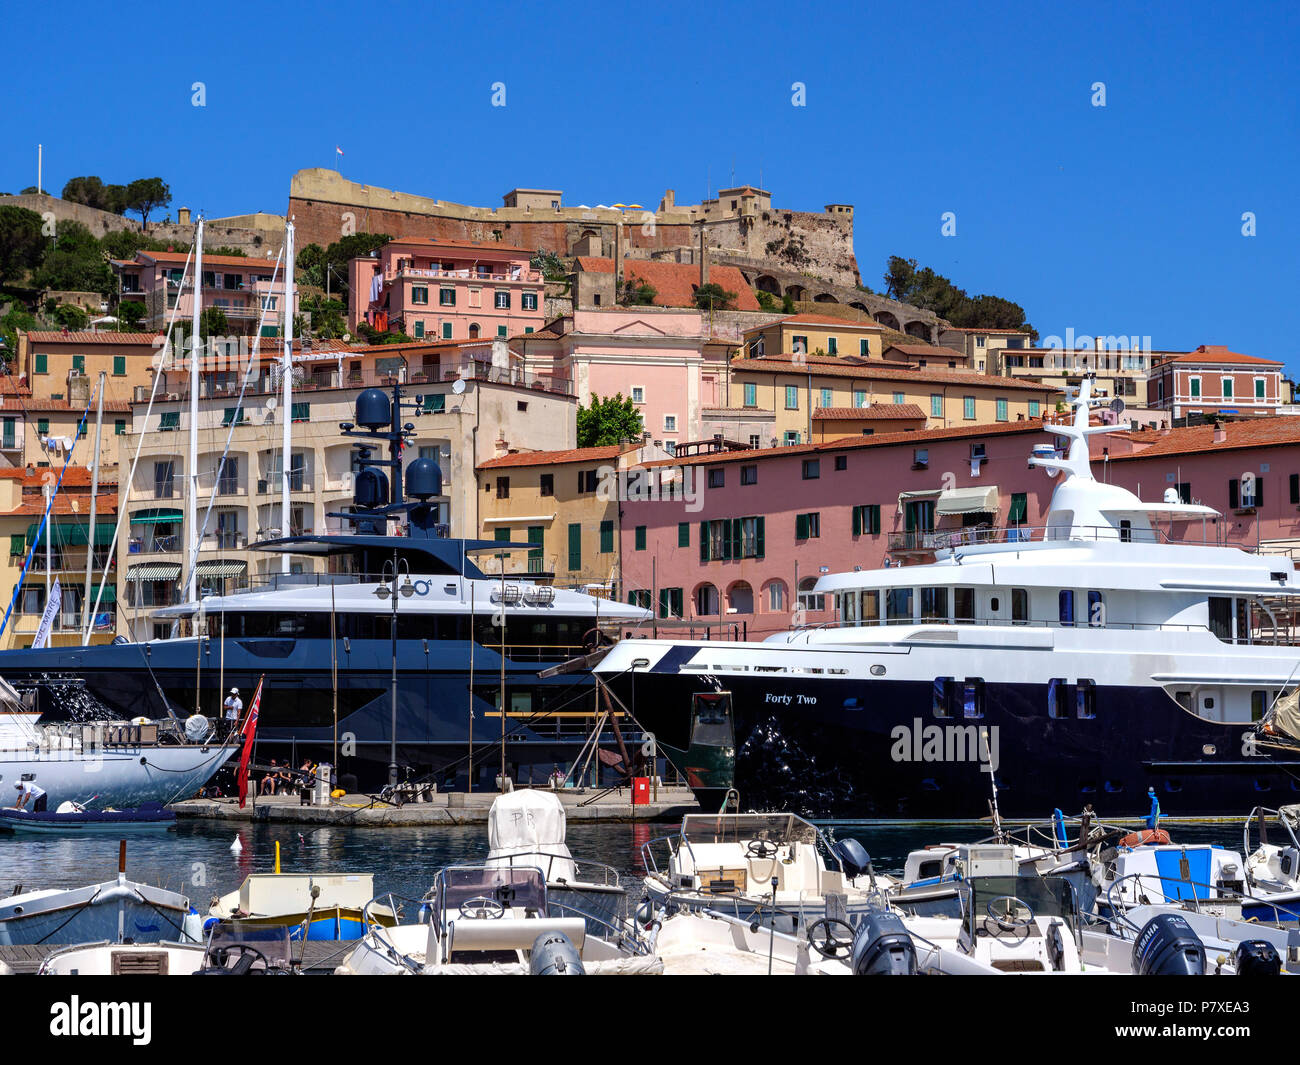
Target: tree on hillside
713	297
922	287
147	194
75	263
213	323
21	242
607	421
88	190
317	265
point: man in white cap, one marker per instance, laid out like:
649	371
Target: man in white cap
30	791
234	707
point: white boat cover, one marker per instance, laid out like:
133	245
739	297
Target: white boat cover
529	822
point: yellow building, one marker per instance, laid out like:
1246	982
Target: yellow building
22	504
815	334
795	387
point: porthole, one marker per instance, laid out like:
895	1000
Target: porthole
877	670
1209	748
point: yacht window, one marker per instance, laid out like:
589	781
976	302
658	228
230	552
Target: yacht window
1125	530
1019	606
1243	620
1058	698
1258	704
934	604
1221	617
871	608
898	605
1183	699
1096	610
963	604
942	688
972	701
1086	699
993	604
1067	606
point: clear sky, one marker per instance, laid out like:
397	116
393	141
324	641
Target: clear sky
1123	219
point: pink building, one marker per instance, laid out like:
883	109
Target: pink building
446	290
1213	380
662	358
756	529
240	286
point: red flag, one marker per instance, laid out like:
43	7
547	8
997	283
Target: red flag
249	732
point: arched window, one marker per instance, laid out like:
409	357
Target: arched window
473	330
740	598
706	600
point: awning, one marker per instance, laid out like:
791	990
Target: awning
526	519
968	501
154	571
221	567
155	516
70	534
109	597
926	493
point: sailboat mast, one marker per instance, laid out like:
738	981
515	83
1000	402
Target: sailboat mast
94	498
286	450
192	462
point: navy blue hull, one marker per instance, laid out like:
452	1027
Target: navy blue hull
876	749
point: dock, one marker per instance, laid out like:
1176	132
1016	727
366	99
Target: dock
442	808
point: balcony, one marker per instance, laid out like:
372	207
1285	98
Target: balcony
462	274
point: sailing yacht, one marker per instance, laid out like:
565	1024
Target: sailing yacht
1114	653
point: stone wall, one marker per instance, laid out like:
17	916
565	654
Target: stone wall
97	221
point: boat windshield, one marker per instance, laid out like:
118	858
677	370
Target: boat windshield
741	828
1047	896
523	888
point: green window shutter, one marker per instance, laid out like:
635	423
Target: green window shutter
759	537
536	535
419	330
704	541
1234	498
640	537
170	420
857	520
1019	506
663	602
606	537
874	512
683	534
1259	491
119	365
446	330
751	394
437	403
737	539
502	535
501	331
801	527
1259	389
42	362
79	363
43	426
575	546
119	427
17	544
301	412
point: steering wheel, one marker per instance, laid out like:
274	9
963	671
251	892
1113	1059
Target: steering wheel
1007	922
247	956
760	848
825	940
481	907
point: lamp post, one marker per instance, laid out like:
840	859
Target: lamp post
385	592
502	556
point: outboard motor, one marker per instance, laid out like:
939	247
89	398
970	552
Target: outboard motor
882	946
1168	946
554	954
1257	957
852	856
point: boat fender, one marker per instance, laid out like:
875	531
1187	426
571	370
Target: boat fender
1257	957
1168	946
554	954
853	857
882	946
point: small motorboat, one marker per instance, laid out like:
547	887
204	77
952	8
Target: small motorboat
75	819
319	906
116	910
228	953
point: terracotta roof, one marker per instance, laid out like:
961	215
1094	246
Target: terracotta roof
73	477
825	319
471	245
39	404
63	504
675	283
179	258
927	351
556	458
874	412
833	367
59	337
1217	355
1198	439
852	443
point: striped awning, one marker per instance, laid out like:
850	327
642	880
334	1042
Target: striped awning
222	567
154	571
968	501
73	534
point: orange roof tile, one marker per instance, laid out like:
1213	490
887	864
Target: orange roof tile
179	258
874	412
73	477
675	283
833	367
825	319
60	337
927	351
469	245
1196	439
1218	355
556	458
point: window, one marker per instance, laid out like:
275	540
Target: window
163	479
776	596
169	420
1035	408
808	526
841	463
791	397
300	412
43	426
936	405
972	699
502	331
751	394
963	604
749	475
446	297
670	602
1019	606
606	537
639	597
898	606
1019	508
1066	606
640	538
683	534
809	599
1001	410
119	365
503	487
79	363
827	398
812	469
228	476
528	301
435	404
1248	492
934	604
638	394
446	330
420	294
832	346
898	399
1295	487
575	546
42	362
866	519
1195	388
501	301
1259	388
790	436
233	415
670	423
1085	699
547	487
502	535
717	478
968	408
979	342
706	600
730	538
419	330
119	427
587	481
864	348
945	689
920	458
799	345
1060	695
859	399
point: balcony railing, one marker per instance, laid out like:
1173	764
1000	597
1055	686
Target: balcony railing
943	539
464	274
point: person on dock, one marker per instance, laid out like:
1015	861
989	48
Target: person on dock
234	707
269	781
30	791
306	782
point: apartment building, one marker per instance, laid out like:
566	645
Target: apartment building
815	334
1213	380
985	349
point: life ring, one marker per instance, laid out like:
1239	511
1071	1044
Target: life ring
1146	836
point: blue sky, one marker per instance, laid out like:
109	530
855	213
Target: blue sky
1125	219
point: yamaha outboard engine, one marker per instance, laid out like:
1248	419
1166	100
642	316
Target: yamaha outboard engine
882	946
554	954
852	856
1168	946
1257	957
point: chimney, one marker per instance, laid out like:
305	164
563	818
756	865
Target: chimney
1220	433
704	260
182	216
502	447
